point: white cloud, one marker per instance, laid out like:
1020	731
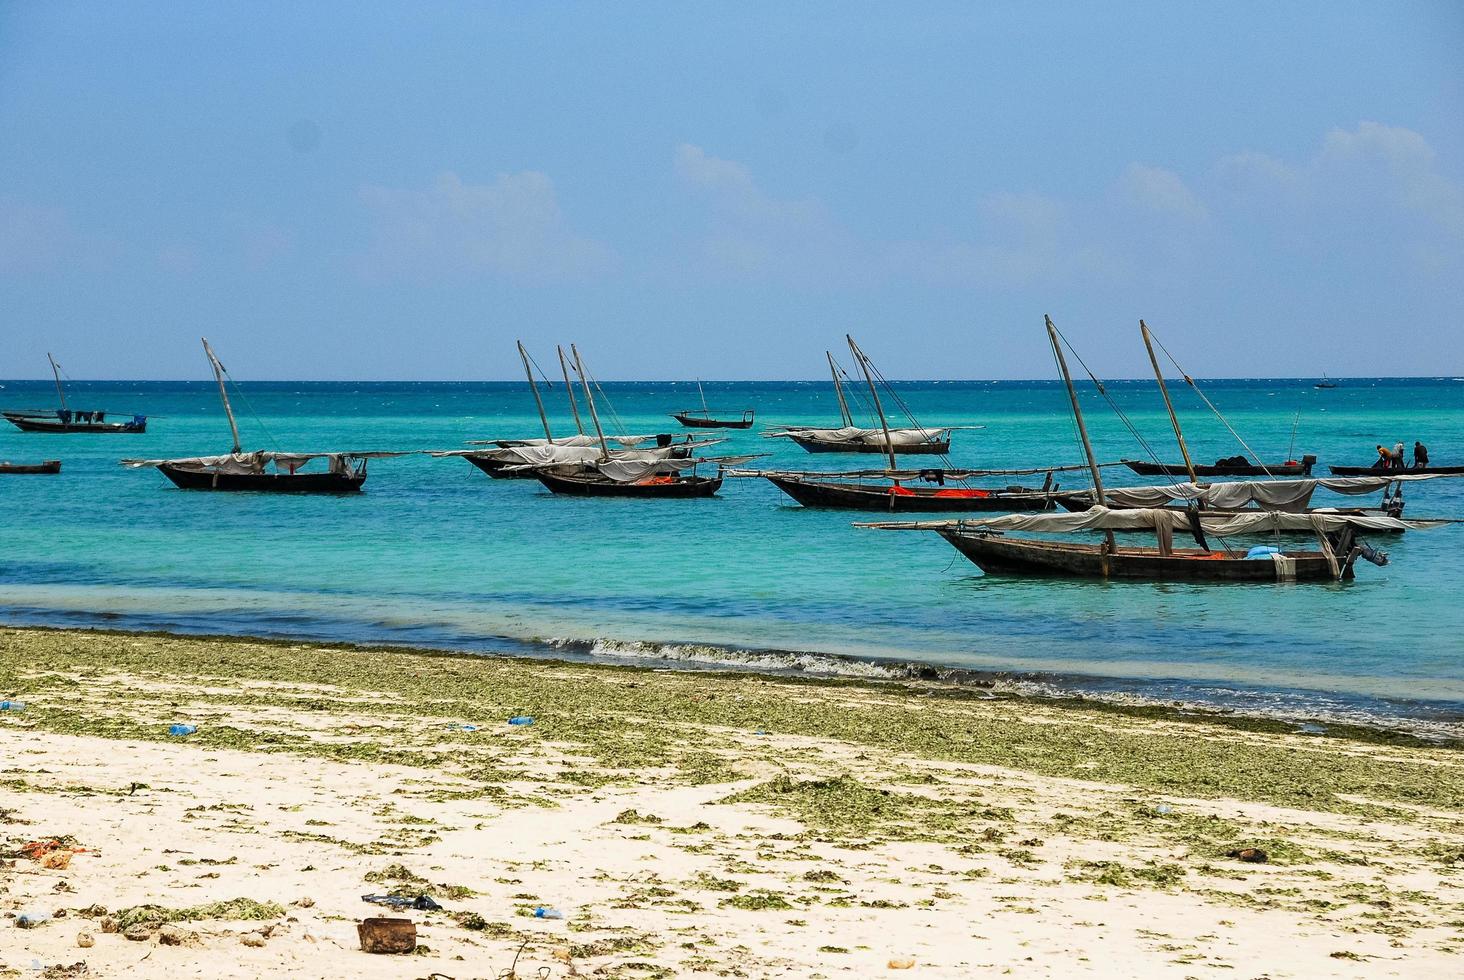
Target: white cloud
511	227
1160	191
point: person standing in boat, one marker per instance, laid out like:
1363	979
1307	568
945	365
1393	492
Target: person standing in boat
1384	460
1420	456
1398	461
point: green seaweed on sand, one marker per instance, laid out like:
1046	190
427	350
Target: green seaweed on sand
237	909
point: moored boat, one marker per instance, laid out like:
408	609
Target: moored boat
704	419
1386	471
16	469
1232	467
66	420
240	471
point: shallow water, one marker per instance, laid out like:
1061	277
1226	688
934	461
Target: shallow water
435	553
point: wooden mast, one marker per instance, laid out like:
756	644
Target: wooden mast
573	406
56	373
839	391
874	393
1164	390
218	370
579	368
700	391
1077	414
524	356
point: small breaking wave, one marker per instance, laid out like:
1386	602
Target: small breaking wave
1310	711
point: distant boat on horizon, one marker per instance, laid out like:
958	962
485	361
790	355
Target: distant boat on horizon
1326	382
67	420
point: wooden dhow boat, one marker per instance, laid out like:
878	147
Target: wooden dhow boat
1396	472
66	420
704	419
850	438
617	476
899	490
1233	466
986	543
261	471
50	466
514	459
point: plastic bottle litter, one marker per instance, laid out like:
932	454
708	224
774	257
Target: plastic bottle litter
29	920
182	729
521	720
12	705
544	912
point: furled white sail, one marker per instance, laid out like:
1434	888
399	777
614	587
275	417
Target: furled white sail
1138	519
854	435
1289	495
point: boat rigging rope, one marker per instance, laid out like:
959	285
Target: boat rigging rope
1211	405
542	376
1128	423
250	405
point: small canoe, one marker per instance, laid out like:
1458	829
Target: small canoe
596	485
49	466
1289	468
1385	471
906	500
703	420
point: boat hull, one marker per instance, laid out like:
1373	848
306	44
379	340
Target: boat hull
1380	471
191	479
1178	469
498	469
55	424
914	449
18	469
1001	555
581	486
919	500
702	422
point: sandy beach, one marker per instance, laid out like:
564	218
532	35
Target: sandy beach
686	824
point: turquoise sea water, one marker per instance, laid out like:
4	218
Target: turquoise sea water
437	554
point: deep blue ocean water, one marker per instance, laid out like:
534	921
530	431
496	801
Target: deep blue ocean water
437	554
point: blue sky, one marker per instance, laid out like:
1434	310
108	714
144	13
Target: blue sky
383	191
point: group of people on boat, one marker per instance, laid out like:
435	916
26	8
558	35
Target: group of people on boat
1392	459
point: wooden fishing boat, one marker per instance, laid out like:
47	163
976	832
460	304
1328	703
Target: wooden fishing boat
693	419
1326	382
1291	467
1002	555
985	541
661	486
899	498
345	476
241	471
704	419
1387	471
17	469
65	420
864	441
850	438
625	476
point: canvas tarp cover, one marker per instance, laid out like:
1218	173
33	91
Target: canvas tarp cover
255	462
1106	519
1290	495
852	434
